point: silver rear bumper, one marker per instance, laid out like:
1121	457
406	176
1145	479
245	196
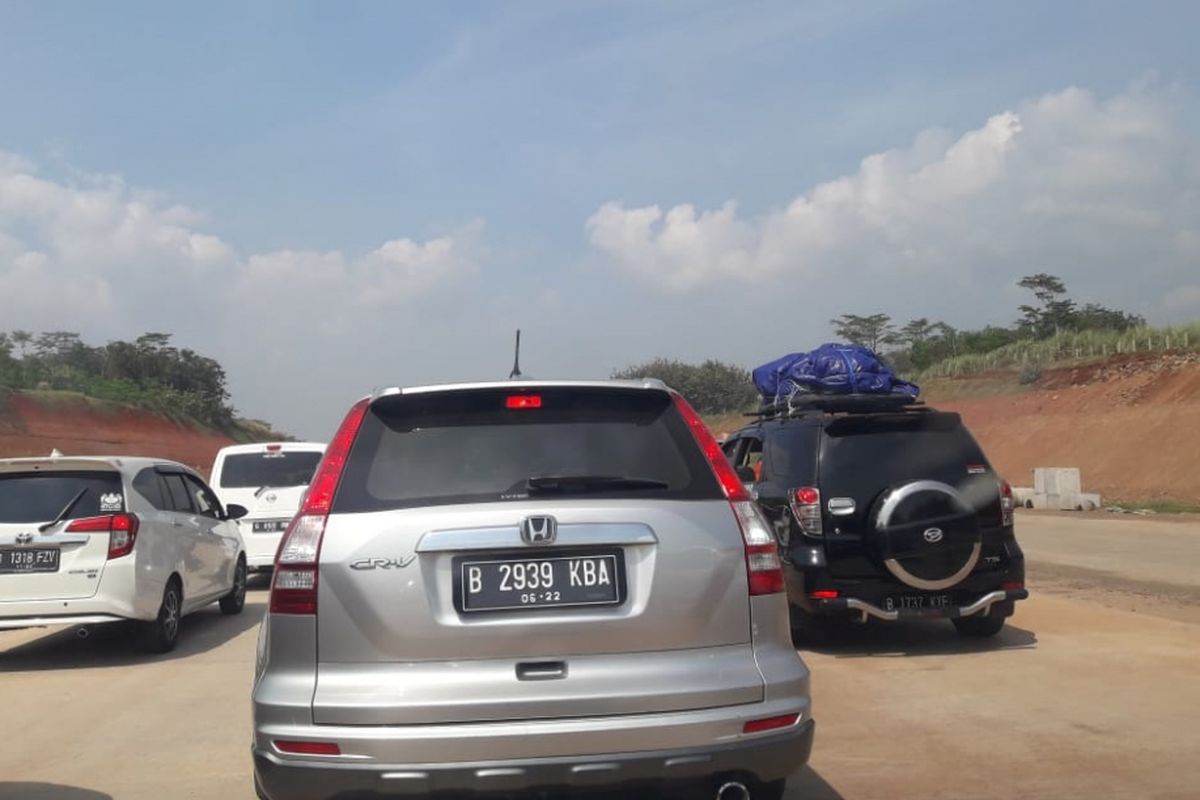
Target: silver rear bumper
765	757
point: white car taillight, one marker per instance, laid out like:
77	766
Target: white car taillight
764	572
806	507
122	530
294	584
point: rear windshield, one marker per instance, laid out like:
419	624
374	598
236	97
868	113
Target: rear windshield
466	447
41	496
865	455
277	470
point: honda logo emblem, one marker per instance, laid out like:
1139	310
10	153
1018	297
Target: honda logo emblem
539	530
24	538
933	535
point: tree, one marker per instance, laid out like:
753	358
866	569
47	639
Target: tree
872	331
712	387
22	339
1056	313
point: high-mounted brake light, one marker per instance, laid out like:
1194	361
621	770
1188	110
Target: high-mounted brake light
1006	504
764	572
806	506
294	584
274	448
122	531
516	401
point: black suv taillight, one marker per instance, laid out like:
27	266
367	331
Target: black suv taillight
806	507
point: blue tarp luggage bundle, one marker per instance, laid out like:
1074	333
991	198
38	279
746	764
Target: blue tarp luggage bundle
831	369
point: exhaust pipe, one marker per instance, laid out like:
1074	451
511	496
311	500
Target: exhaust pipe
733	791
83	633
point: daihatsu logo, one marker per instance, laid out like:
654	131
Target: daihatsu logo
539	530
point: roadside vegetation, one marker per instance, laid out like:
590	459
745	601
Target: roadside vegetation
713	387
1054	328
147	373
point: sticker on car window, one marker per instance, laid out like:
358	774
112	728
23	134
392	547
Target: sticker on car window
112	502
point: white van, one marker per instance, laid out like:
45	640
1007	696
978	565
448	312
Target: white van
269	480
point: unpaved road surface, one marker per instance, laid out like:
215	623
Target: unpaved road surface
1088	694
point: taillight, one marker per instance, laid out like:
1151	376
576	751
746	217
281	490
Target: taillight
806	506
122	531
731	484
294	584
1006	504
764	572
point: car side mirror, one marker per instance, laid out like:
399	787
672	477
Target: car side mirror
234	511
746	474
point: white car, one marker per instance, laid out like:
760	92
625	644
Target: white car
90	540
268	480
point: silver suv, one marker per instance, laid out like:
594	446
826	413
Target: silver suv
532	587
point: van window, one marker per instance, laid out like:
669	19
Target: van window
276	470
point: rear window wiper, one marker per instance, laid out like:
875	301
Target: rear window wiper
63	514
589	483
258	492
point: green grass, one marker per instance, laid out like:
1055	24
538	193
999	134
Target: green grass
1066	348
1157	506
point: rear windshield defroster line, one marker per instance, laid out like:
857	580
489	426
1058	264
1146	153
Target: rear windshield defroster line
468	446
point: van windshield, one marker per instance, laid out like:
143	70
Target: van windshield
277	470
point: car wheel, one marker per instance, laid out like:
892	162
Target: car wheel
235	601
162	634
979	626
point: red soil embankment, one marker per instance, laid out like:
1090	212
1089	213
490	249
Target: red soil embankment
33	425
1131	425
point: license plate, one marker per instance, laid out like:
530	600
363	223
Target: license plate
558	581
921	603
269	526
29	559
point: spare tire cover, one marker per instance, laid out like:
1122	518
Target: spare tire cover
926	534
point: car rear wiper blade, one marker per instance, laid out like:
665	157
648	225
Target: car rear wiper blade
258	492
63	514
590	483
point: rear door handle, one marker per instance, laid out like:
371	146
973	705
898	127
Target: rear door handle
541	670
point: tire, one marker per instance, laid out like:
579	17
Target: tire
979	627
162	634
235	601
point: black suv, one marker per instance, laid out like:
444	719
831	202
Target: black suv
884	508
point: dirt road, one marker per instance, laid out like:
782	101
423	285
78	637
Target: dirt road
1079	698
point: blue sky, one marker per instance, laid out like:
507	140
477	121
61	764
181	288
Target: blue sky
284	144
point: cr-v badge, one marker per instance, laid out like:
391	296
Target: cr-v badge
382	563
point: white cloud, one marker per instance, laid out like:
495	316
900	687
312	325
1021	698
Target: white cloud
94	255
1102	191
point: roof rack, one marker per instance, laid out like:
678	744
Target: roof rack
838	404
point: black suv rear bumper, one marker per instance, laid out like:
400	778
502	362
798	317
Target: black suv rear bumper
999	602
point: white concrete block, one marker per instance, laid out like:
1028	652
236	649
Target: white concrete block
1057	480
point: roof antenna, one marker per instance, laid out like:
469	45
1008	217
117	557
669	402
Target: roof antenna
516	370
